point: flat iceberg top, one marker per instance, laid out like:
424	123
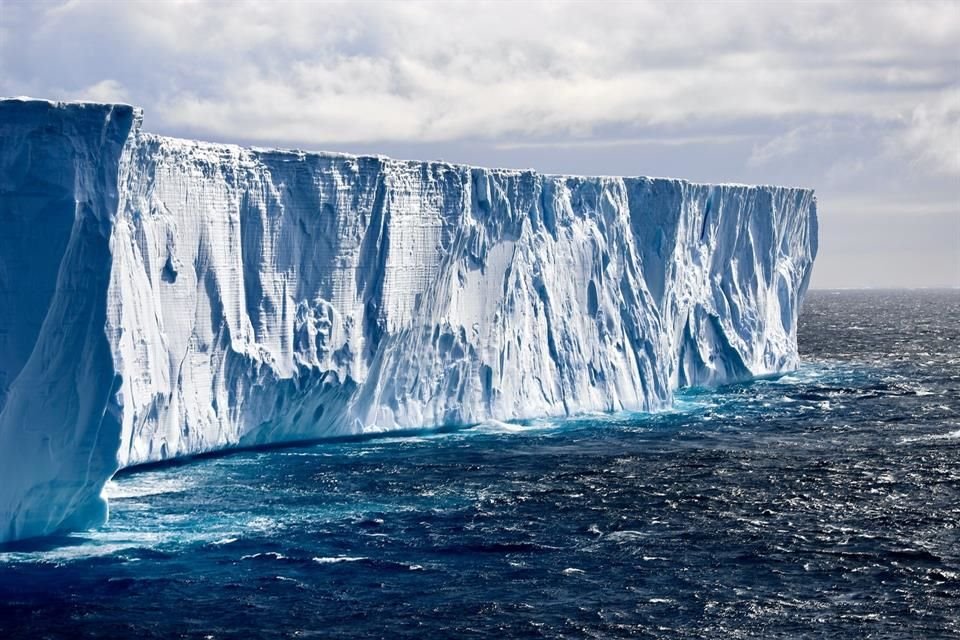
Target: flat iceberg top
28	101
15	111
216	149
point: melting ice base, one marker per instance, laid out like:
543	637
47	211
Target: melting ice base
165	297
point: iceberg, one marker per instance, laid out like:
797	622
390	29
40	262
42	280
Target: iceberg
162	297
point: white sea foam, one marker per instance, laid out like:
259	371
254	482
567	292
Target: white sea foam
338	559
952	435
265	554
143	485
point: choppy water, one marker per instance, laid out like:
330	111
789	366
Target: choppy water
822	504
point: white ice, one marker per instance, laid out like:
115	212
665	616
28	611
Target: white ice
163	297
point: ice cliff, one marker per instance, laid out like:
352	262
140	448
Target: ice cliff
163	297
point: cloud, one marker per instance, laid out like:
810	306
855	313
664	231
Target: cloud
104	91
317	74
790	143
933	133
607	143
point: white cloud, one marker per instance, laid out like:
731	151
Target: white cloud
103	91
608	143
933	133
787	144
312	73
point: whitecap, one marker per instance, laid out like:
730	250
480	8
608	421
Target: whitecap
261	523
496	426
140	486
952	435
338	559
265	554
625	536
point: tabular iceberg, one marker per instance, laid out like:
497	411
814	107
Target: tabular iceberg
163	297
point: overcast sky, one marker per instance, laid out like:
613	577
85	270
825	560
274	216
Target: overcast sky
858	100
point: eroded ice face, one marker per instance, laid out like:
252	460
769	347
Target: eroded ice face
196	296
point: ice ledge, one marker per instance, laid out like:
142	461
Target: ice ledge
304	153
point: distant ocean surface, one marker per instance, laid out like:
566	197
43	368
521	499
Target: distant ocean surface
825	503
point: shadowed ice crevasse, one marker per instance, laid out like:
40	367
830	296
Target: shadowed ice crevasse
163	297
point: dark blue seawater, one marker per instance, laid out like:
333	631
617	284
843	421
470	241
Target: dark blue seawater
822	504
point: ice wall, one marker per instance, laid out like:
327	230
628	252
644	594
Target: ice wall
59	417
163	297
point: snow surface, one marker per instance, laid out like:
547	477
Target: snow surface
163	297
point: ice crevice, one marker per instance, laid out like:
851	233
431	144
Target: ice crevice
162	297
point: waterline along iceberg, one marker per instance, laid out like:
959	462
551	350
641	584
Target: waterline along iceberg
163	297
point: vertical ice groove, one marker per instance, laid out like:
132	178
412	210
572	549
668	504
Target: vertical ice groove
59	431
163	297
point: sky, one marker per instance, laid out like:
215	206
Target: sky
857	100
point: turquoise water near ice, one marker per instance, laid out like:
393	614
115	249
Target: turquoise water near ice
825	503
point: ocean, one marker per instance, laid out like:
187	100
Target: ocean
824	503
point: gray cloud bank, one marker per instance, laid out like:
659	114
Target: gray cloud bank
859	100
